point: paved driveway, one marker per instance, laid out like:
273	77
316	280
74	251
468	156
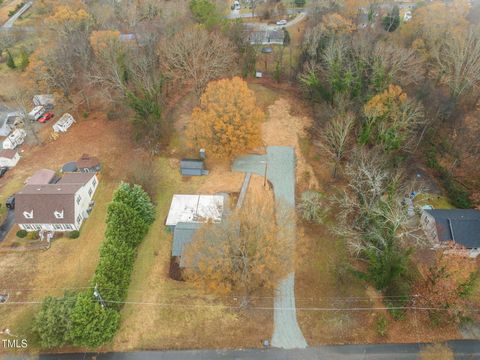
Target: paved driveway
280	165
7	224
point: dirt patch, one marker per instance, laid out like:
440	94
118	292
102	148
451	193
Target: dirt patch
284	129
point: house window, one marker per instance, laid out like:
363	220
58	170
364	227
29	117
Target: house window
79	218
28	214
90	191
78	199
68	227
37	227
94	182
57	227
27	227
58	214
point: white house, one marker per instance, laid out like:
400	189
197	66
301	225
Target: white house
61	206
7	121
195	209
457	227
8	158
64	123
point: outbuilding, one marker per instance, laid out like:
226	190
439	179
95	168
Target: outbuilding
192	167
8	158
64	123
88	163
17	137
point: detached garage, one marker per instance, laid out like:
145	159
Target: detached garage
8	158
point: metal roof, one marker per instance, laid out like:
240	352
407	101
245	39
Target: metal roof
191	164
195	208
183	234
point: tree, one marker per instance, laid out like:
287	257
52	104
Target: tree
246	252
227	122
91	324
312	206
437	352
205	12
134	197
391	120
197	57
336	136
52	323
458	62
392	21
10	61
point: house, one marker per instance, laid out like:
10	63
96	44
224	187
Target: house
195	209
88	163
192	167
56	207
7	121
266	37
187	214
64	123
41	177
17	137
8	158
453	226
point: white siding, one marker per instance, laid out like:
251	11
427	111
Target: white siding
85	199
9	162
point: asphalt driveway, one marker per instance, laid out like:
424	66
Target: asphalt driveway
7	224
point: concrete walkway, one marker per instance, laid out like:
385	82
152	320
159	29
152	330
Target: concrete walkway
279	166
19	13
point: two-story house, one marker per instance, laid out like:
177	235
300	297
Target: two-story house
59	206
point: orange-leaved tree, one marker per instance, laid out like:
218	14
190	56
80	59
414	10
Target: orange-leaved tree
251	249
227	122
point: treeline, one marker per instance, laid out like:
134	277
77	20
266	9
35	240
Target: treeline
91	318
377	94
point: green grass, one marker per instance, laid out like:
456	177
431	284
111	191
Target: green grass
437	201
264	96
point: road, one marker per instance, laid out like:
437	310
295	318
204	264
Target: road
7	224
279	165
19	13
464	350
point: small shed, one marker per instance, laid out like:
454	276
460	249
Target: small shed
64	123
183	235
8	158
88	163
192	167
69	167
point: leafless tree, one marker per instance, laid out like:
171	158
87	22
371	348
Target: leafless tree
196	56
335	138
22	98
458	62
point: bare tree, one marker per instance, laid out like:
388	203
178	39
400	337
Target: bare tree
196	56
22	99
335	137
458	62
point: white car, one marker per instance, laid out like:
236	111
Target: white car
282	22
36	113
407	16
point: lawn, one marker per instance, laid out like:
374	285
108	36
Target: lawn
434	200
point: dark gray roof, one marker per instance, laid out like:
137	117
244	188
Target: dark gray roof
459	225
183	234
191	164
69	167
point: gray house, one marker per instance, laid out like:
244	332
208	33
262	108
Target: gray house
458	226
192	167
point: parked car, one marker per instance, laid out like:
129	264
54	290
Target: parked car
267	50
3	170
47	116
282	22
10	203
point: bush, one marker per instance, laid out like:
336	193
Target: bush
10	61
381	325
33	235
74	234
22	233
311	206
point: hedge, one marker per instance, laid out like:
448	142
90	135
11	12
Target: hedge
84	321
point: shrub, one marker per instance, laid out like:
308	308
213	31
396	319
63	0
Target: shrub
33	235
311	206
22	233
10	61
74	234
381	325
52	323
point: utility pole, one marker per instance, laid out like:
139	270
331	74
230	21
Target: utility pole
265	173
98	296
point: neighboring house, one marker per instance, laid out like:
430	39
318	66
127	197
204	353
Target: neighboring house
7	121
192	167
187	214
456	226
88	163
8	158
17	137
61	206
41	177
